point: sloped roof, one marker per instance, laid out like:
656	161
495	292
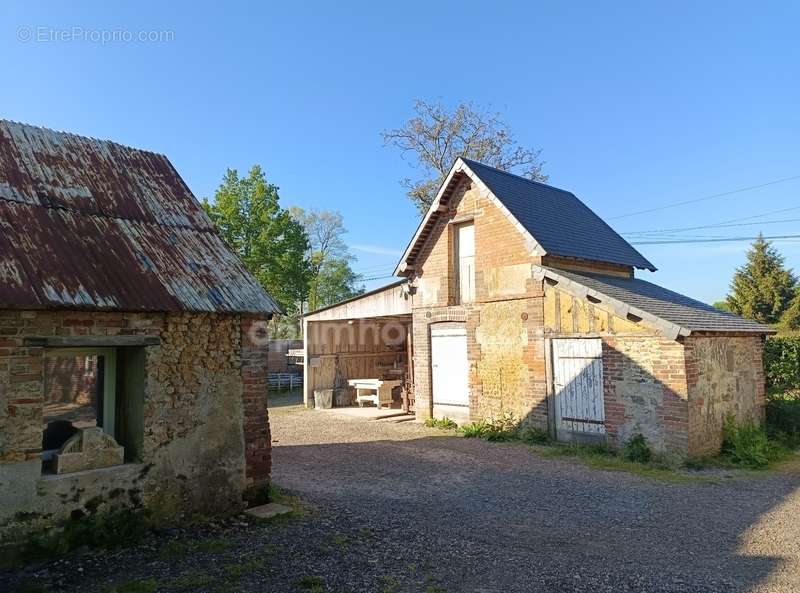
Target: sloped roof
92	224
554	221
677	314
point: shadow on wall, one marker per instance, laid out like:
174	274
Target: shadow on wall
548	517
641	386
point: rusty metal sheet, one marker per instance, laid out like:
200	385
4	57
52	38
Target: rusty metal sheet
91	224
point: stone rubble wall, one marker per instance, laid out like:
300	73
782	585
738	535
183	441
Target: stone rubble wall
206	433
725	377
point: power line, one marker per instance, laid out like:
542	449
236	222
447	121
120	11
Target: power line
716	240
710	226
704	198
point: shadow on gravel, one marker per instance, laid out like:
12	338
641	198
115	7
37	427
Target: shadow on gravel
495	517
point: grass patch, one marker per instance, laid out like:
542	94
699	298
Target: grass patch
135	586
239	569
279	495
190	582
102	530
601	456
389	584
311	583
442	423
177	549
32	588
272	549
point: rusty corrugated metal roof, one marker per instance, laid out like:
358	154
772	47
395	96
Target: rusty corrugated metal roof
93	224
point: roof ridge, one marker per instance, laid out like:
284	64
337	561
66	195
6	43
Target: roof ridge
82	136
509	173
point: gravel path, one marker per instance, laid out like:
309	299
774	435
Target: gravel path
399	508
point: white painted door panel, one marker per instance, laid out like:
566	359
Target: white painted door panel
449	366
578	386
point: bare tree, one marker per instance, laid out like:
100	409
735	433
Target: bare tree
436	137
331	277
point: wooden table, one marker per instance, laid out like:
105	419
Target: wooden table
373	390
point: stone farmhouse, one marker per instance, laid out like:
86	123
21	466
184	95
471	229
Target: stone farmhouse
517	299
109	265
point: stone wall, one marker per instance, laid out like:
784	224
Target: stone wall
645	391
725	376
203	437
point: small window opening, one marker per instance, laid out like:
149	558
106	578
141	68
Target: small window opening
93	408
634	318
465	263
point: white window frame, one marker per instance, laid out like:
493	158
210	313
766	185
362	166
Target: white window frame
464	264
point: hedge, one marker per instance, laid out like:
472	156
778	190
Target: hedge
782	364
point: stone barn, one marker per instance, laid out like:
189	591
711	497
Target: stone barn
522	301
132	340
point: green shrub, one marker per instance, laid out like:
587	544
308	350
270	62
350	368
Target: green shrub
783	419
443	423
782	364
534	436
747	444
636	449
499	429
473	430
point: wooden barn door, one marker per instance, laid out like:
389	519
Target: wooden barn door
578	389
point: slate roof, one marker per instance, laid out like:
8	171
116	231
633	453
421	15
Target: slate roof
92	224
645	297
558	220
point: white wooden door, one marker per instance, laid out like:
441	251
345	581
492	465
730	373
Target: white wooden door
449	366
578	387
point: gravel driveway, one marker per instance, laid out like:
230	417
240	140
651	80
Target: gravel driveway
400	508
497	518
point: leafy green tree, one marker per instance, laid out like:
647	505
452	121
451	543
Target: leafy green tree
762	288
269	241
722	306
790	320
435	137
331	277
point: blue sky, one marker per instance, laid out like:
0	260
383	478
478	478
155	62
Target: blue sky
634	106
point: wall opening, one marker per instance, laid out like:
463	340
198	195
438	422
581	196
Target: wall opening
465	263
93	412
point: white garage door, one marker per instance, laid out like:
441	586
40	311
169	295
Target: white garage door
578	386
449	366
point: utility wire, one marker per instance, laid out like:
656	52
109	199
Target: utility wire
717	240
710	226
704	198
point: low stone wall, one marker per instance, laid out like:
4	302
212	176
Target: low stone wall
204	436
